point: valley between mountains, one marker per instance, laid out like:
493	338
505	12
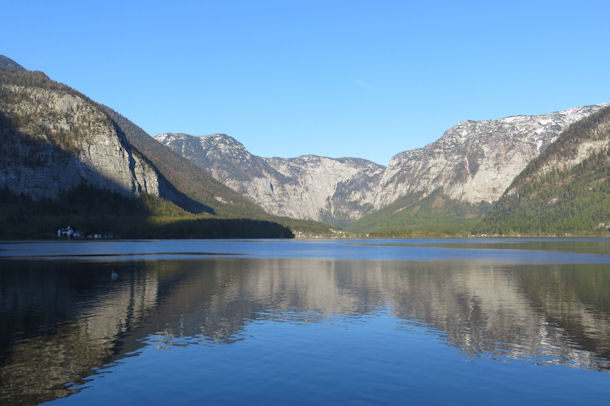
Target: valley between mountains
65	158
443	186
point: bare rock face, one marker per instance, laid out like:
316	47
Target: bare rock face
327	189
475	161
307	187
55	139
579	143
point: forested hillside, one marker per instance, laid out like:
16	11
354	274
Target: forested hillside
434	213
565	190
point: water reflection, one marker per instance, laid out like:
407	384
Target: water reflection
63	321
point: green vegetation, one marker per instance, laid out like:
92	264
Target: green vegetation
555	200
92	210
572	201
417	216
545	199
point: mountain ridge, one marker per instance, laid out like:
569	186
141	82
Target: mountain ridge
308	186
472	162
566	189
51	122
475	161
56	139
8	63
49	130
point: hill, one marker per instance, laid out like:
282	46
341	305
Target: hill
416	214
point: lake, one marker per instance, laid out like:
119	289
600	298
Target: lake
305	322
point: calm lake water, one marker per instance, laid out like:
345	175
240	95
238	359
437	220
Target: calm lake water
305	322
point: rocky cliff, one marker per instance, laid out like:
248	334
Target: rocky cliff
54	139
565	189
475	161
337	191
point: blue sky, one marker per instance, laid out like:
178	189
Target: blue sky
335	78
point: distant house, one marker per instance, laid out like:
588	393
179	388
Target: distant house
68	232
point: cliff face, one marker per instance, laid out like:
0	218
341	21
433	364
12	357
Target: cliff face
579	143
55	139
565	189
472	162
475	160
309	187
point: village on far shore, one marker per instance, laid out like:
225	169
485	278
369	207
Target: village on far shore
68	233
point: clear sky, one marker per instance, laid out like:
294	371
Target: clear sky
334	78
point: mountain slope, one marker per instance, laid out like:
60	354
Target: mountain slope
565	189
435	213
336	191
54	138
185	176
8	63
474	161
448	185
194	184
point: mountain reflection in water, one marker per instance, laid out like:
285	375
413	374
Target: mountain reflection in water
65	321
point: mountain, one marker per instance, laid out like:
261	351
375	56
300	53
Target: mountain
337	191
8	63
474	161
56	140
444	185
565	189
448	185
190	180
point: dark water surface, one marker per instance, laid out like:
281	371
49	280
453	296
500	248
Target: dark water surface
305	322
